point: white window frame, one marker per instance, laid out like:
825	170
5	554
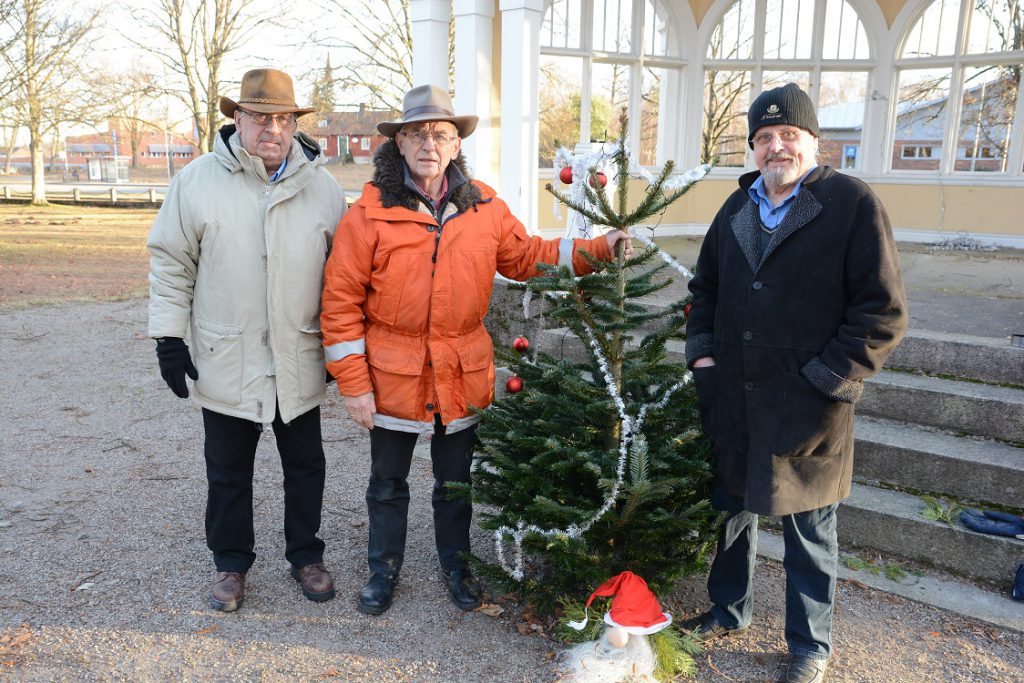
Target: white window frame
669	144
873	24
958	63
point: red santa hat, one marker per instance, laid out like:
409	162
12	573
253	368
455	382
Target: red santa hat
634	607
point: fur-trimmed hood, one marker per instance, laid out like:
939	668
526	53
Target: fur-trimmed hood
389	178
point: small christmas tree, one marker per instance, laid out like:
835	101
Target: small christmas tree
597	465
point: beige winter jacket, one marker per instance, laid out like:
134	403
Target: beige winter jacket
238	263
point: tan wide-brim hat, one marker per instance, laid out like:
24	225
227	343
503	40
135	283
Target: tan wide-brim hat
265	90
429	103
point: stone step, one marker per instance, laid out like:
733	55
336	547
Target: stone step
955	595
953	405
891	522
985	359
965	468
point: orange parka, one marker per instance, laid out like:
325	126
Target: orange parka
405	296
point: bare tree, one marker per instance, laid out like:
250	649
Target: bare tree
9	140
44	63
10	126
133	111
724	110
378	33
195	37
723	117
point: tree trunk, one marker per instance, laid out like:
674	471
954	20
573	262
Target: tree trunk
38	167
11	146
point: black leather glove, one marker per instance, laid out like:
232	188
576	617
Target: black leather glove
175	363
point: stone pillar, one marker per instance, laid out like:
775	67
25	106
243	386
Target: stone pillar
430	42
520	68
473	89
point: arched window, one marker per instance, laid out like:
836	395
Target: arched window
600	56
821	45
958	75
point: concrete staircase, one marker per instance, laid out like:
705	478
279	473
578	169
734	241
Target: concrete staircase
920	431
946	418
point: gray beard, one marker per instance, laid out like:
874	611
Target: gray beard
780	177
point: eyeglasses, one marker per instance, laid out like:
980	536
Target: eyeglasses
787	135
420	138
261	119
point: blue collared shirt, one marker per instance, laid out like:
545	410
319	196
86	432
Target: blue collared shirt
771	216
280	171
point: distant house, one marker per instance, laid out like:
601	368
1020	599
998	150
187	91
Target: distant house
343	133
152	149
981	145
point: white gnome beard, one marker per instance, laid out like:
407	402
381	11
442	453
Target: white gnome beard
599	661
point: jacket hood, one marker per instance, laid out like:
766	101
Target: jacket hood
307	145
389	178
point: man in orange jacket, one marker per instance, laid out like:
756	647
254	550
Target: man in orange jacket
406	289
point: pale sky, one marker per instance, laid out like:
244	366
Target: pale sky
284	48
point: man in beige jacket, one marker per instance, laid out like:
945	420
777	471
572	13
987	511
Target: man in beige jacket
237	260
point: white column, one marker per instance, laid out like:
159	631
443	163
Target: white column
473	67
520	67
429	42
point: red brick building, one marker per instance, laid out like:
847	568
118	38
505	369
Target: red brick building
343	133
152	147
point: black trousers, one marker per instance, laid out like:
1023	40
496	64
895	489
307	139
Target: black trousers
230	451
387	496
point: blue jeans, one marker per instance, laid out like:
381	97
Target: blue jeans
811	559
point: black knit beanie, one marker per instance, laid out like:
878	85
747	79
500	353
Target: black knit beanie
785	105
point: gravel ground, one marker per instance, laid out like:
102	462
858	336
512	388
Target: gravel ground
104	571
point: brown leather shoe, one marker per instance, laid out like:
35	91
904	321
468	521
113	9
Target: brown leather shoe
228	591
316	581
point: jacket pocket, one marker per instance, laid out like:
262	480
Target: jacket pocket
810	424
476	371
309	358
395	372
219	361
705	384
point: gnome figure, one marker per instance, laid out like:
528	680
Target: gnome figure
615	656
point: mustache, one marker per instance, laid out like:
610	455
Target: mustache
781	156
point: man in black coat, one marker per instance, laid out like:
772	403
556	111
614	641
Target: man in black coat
797	298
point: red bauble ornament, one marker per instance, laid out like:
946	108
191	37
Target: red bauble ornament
521	344
514	384
686	309
565	175
602	179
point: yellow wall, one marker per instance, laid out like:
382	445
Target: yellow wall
950	208
955	208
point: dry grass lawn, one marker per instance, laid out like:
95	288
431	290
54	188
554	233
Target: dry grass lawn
66	253
74	253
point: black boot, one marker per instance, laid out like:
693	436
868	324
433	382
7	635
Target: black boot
376	595
463	588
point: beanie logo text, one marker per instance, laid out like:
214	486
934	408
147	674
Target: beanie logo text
772	112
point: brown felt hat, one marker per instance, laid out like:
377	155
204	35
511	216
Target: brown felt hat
264	90
429	103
